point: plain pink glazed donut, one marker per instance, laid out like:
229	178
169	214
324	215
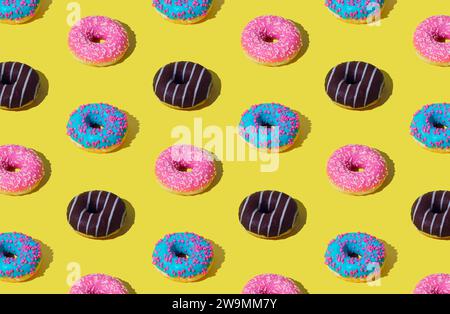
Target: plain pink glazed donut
271	40
430	40
357	169
98	284
185	169
434	284
98	40
21	170
271	284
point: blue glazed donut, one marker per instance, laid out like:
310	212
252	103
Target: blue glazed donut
18	11
270	126
431	127
98	127
183	256
355	11
355	256
20	257
183	11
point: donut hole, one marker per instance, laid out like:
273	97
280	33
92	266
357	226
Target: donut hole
93	124
179	253
436	210
266	208
183	168
180	80
5	80
438	125
7	254
91	209
353	255
355	168
12	168
442	39
270	39
97	39
350	80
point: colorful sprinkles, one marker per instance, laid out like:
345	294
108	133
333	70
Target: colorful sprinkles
185	10
16	10
359	10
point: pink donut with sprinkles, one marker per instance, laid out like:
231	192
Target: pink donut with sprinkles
98	284
357	169
271	40
98	40
21	170
185	169
434	284
271	284
432	40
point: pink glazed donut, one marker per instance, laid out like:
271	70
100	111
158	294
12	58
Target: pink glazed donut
185	169
21	170
98	40
434	284
271	40
98	284
271	284
431	40
357	169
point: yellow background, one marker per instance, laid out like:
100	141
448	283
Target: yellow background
128	172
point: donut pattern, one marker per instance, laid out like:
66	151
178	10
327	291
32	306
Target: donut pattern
182	84
96	213
268	213
355	84
430	213
19	85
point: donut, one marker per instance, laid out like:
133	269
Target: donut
271	40
19	85
431	127
98	284
20	257
183	256
356	11
355	85
357	169
21	170
270	127
432	40
430	214
98	41
356	257
270	284
18	11
96	214
98	127
182	85
185	169
183	11
268	214
434	284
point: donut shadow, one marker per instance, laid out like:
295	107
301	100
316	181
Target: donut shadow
133	130
300	286
216	7
391	172
300	222
44	6
214	94
218	177
305	43
129	220
385	95
132	42
304	130
391	259
219	258
389	5
46	259
129	287
47	172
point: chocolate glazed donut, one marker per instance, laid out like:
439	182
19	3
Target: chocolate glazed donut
183	84
96	214
19	85
430	214
268	214
355	85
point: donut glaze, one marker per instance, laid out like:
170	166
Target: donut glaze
270	126
183	256
19	85
356	11
357	169
18	11
183	11
431	127
98	40
96	214
20	257
268	214
355	85
430	214
98	127
21	170
185	169
271	40
271	284
434	284
355	256
98	284
430	40
183	85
